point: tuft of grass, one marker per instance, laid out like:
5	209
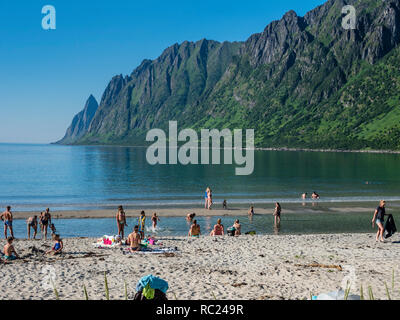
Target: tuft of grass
85	293
347	291
176	298
370	293
126	290
215	298
106	286
55	290
361	293
387	291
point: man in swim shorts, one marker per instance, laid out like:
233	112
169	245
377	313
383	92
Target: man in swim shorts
134	239
7	217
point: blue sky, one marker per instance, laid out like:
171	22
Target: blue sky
46	76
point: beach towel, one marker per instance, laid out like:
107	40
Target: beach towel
153	282
147	250
108	242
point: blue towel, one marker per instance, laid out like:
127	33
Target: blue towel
155	283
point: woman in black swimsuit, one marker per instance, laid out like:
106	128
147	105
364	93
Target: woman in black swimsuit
45	219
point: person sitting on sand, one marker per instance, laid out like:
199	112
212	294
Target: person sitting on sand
194	230
154	220
9	250
251	211
238	228
57	247
315	196
121	221
277	213
134	240
379	219
45	220
141	223
218	229
7	217
190	217
32	222
224	205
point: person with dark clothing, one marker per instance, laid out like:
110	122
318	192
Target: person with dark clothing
390	226
379	219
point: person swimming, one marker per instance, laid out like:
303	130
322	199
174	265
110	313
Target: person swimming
194	230
218	229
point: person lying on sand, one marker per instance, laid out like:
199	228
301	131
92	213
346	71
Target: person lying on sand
194	230
9	250
134	240
218	229
32	222
57	247
238	228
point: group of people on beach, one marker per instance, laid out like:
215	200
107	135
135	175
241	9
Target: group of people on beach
9	253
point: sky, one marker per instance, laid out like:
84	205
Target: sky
46	76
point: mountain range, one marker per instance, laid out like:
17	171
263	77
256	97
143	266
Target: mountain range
302	82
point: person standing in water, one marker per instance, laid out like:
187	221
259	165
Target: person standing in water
154	220
121	221
194	230
277	213
210	202
218	229
7	217
238	228
379	219
141	223
206	198
45	220
32	223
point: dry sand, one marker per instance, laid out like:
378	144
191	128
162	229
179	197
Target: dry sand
246	267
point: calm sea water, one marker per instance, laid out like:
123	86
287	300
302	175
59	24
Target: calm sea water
33	177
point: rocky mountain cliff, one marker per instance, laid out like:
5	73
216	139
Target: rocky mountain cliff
302	82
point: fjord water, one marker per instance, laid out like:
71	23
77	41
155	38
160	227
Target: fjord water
95	177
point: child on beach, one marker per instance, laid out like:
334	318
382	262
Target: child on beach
7	217
32	223
9	250
154	220
218	229
238	228
53	229
121	221
57	247
141	223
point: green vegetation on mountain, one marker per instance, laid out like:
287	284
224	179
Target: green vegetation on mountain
303	82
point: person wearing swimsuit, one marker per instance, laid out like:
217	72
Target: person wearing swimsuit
141	223
9	250
32	223
209	199
206	198
154	220
194	230
57	247
7	217
277	213
45	219
218	229
121	221
134	240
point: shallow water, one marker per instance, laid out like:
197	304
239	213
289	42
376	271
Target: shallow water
69	178
178	226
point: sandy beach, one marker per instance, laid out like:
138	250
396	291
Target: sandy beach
245	267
